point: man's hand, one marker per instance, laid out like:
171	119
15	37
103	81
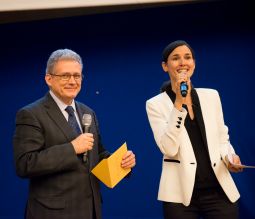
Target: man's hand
128	160
83	143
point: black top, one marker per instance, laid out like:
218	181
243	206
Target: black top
205	177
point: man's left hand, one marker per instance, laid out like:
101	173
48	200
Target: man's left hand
128	160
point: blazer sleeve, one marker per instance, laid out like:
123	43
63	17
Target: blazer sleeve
31	156
225	145
166	128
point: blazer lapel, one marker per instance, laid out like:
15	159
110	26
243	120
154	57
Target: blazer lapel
198	113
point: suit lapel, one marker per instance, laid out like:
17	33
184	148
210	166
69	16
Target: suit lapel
81	111
57	116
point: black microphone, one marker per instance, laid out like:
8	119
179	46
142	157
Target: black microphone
184	88
86	122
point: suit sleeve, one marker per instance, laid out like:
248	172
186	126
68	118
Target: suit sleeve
102	152
166	131
31	156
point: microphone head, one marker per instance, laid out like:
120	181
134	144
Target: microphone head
86	120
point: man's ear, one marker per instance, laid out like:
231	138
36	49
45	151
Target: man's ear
48	79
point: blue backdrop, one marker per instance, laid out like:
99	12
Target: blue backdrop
122	67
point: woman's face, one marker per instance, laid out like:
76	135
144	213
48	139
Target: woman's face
180	61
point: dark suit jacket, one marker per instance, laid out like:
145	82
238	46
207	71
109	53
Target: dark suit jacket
61	185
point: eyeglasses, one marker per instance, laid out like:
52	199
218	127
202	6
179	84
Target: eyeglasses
67	77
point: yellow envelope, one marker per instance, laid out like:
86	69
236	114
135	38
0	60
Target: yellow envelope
109	170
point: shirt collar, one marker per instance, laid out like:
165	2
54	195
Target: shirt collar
62	106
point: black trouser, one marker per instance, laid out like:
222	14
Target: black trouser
206	204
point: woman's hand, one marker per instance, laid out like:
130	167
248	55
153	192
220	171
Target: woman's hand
235	164
180	100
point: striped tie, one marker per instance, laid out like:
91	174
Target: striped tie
72	120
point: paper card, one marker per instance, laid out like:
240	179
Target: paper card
230	159
109	170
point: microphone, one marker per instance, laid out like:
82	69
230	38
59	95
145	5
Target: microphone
184	88
86	122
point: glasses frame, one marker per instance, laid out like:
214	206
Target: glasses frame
67	77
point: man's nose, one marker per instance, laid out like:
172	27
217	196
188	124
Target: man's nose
71	79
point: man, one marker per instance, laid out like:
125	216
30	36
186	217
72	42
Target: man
50	149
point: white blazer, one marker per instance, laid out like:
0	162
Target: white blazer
178	177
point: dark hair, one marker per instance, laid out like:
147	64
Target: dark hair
170	47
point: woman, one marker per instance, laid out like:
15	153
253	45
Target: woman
190	132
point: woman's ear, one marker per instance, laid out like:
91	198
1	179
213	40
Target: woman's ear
164	66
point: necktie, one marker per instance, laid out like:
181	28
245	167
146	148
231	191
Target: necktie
72	120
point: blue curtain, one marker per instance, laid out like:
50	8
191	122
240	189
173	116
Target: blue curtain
122	68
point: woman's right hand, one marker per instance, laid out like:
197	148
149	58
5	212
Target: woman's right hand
180	100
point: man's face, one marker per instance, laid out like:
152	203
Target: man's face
65	89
